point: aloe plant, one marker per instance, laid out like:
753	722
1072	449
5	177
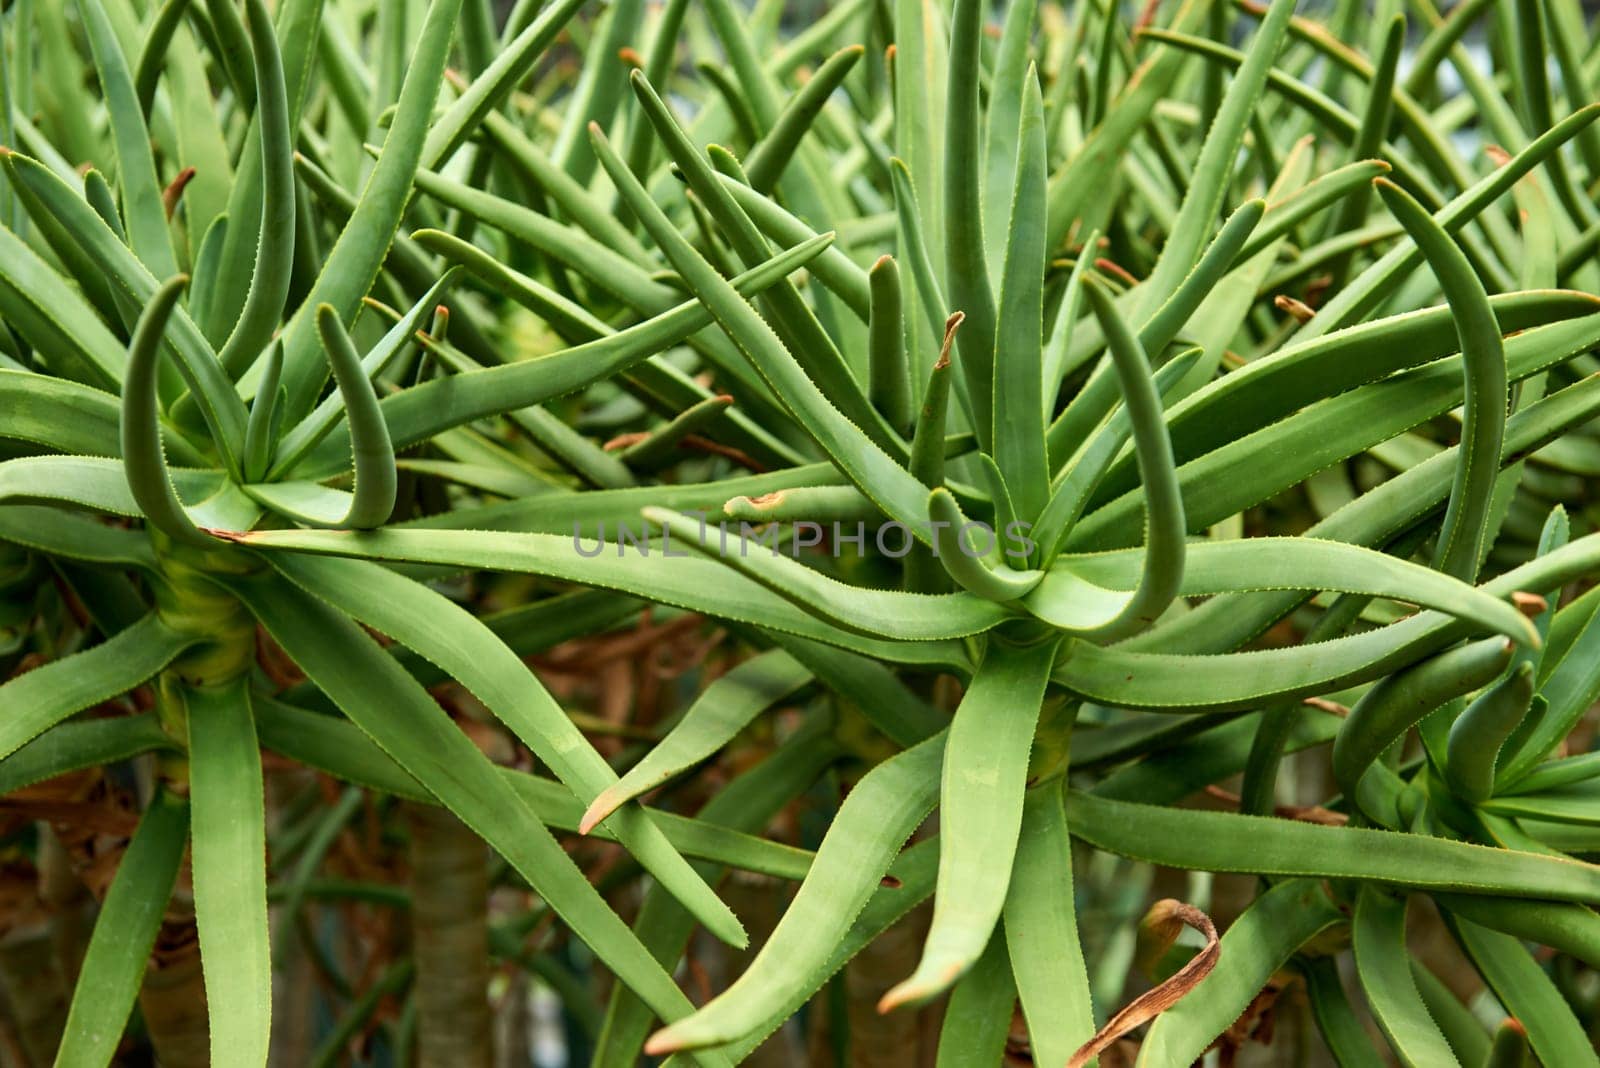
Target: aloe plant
1154	400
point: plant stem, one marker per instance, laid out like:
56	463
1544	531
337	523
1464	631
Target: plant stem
450	929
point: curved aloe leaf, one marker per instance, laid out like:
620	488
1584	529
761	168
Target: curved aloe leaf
408	724
376	478
1041	930
1483	357
1381	964
355	259
142	454
269	283
411	613
1214	567
873	823
981	804
1394	705
722	710
136	168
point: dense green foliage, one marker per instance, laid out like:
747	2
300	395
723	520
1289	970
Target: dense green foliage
1102	407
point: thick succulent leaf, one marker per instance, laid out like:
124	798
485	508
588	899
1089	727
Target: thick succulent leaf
468	651
142	454
73	746
1041	930
977	1018
52	316
230	869
745	804
114	964
1483	358
980	803
95	483
696	583
355	259
1212	841
223	410
1209	182
1019	431
872	824
1282	382
1214	567
1220	483
880	613
1378	515
39	699
419	413
141	189
269	283
875	472
1382	966
1525	989
723	709
338	747
913	877
395	711
376	479
63	416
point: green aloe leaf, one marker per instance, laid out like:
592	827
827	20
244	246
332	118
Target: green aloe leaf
885	613
420	412
1381	964
966	266
874	471
696	583
1208	184
1164	506
1214	567
63	416
1041	930
1192	839
230	868
495	83
1483	357
977	1019
220	404
1397	703
981	810
469	652
338	747
872	824
1525	989
136	169
1019	431
142	453
54	317
355	259
124	933
73	746
43	697
269	283
722	710
376	478
746	804
409	725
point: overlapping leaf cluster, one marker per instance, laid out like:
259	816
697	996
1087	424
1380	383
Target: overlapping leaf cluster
1280	362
